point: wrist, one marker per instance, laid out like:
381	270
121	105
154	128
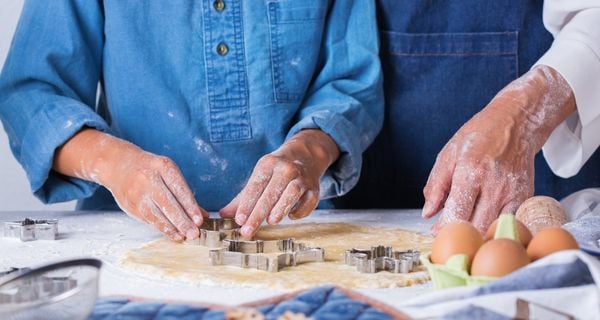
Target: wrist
312	146
113	153
538	102
92	155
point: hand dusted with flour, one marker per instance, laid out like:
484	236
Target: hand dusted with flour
488	166
285	182
147	187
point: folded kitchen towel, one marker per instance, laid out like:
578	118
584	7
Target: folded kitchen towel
565	285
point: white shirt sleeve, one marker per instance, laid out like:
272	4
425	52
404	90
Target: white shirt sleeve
575	54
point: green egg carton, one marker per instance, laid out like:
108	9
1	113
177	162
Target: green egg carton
455	273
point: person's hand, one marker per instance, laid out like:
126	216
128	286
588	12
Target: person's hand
284	183
487	168
147	187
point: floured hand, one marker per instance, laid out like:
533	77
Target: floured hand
487	168
284	183
147	187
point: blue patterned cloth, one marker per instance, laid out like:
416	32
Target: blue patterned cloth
317	303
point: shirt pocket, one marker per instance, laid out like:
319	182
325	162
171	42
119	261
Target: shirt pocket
296	29
434	82
445	66
445	77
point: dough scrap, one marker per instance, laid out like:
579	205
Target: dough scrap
168	260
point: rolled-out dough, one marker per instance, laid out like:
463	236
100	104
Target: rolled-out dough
168	260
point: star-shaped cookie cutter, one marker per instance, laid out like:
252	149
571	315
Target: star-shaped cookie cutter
214	231
222	256
382	258
222	235
29	229
264	246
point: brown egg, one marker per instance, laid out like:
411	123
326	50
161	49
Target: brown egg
499	257
550	240
455	238
541	212
524	233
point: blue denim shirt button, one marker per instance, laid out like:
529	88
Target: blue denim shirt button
222	49
219	5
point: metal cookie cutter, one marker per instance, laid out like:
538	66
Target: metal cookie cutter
264	246
29	230
214	230
35	288
221	256
382	258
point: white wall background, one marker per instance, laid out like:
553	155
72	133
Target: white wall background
14	187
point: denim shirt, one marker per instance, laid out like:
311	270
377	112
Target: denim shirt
214	85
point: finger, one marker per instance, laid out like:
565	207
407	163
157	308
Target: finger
460	203
438	185
486	211
292	194
251	193
151	214
512	206
437	225
166	202
229	210
265	204
174	180
305	206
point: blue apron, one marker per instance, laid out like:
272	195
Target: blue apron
443	62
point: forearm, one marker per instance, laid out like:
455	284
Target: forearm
89	155
311	145
538	102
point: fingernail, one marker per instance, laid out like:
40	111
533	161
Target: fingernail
191	234
197	220
240	219
246	230
178	237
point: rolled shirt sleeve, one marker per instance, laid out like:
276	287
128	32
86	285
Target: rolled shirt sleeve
345	100
48	89
575	54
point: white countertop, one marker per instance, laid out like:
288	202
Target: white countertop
107	235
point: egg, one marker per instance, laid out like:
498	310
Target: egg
541	212
524	233
499	257
456	238
550	240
